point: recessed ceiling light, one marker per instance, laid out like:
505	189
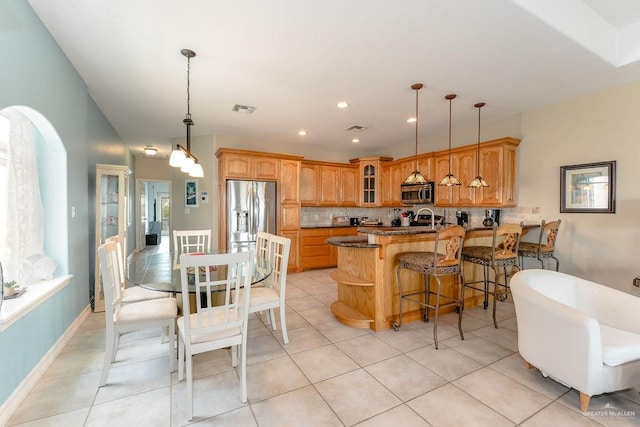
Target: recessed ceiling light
342	104
412	120
302	133
355	140
150	151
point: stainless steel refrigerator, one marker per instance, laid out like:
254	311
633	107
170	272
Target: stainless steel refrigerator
251	207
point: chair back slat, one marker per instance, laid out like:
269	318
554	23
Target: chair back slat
190	241
279	260
216	275
110	272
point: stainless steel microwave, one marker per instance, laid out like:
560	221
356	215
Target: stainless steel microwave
412	194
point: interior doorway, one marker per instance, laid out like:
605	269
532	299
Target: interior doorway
153	225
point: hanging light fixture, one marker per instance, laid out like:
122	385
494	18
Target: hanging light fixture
416	177
450	179
182	157
478	181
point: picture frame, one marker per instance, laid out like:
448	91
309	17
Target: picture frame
191	193
588	188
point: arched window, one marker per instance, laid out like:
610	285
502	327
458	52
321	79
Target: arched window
33	190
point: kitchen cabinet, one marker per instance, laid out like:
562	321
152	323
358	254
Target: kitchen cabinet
289	217
463	166
371	180
245	165
308	184
112	216
497	167
289	172
294	259
265	168
328	184
314	249
349	188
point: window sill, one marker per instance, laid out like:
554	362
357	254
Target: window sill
13	309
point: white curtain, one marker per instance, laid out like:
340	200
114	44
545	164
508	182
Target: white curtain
22	225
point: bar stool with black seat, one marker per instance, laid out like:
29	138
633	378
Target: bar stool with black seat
502	254
445	260
541	250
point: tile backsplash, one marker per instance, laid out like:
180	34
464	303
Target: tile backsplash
322	216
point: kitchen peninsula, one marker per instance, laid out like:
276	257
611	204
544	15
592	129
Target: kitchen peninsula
366	275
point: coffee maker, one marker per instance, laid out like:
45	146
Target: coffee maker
463	218
491	216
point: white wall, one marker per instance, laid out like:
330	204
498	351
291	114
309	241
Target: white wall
598	127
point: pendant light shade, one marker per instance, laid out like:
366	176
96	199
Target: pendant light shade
478	181
449	179
416	177
182	157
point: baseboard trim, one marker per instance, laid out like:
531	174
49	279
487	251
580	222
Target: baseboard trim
20	393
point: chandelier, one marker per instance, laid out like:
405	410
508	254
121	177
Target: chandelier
182	157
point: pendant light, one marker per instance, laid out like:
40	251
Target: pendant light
478	181
182	157
450	179
416	177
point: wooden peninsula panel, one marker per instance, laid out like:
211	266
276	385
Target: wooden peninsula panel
368	295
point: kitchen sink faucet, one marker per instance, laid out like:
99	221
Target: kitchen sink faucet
433	217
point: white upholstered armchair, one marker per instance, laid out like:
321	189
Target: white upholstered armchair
580	333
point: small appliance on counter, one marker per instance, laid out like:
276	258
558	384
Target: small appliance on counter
354	221
463	218
491	216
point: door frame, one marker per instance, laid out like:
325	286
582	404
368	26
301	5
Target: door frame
141	242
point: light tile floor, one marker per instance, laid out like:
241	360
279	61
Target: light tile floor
328	375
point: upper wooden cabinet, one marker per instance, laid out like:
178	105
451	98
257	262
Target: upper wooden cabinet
349	188
497	167
244	164
289	182
328	184
370	180
308	184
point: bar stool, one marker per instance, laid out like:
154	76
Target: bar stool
502	253
445	260
540	250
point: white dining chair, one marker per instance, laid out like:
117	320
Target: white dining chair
263	240
190	241
272	294
122	318
213	327
132	293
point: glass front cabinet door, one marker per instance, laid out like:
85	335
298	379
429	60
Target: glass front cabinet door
112	217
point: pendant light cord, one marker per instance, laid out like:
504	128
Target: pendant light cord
416	157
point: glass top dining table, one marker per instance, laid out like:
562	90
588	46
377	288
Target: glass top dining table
156	273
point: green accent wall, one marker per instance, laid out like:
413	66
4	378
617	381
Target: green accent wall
36	74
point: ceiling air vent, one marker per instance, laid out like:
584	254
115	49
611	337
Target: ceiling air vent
356	128
243	109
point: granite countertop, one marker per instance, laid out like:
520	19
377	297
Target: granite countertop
352	242
396	231
327	226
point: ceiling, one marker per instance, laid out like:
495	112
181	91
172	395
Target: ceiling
295	59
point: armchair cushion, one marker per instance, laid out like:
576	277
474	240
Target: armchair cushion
619	346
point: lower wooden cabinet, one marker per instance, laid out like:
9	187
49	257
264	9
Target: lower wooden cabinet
315	252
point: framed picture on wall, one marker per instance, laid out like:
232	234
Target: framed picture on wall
191	193
588	188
